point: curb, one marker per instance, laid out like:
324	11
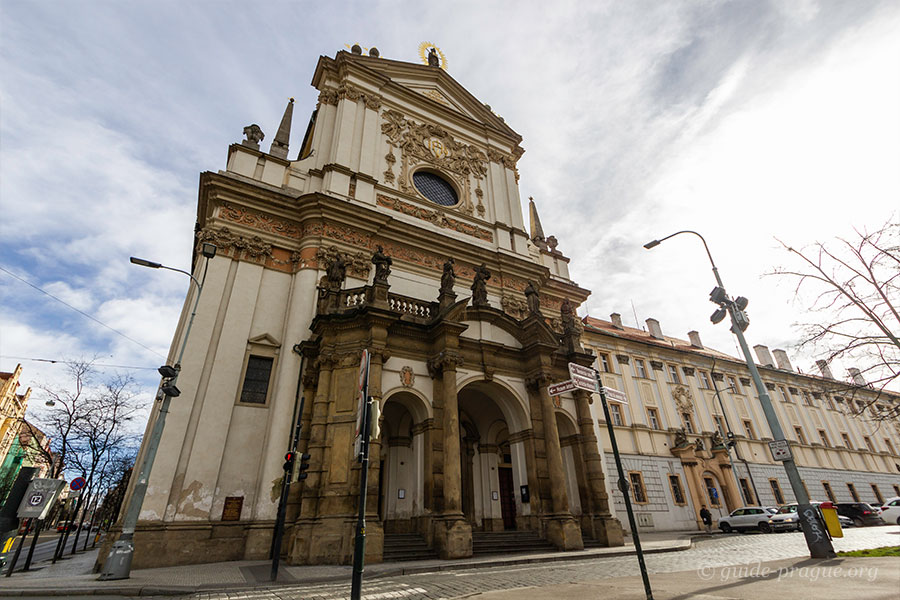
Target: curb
156	590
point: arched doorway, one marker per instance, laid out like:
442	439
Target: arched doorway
492	467
401	480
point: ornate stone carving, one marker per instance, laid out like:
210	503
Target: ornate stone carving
447	360
254	136
680	438
258	220
407	377
479	286
745	381
689	371
433	144
717	440
357	264
354	94
514	307
435	217
656	365
683	400
390	159
329	96
448	277
507	160
698	445
382	264
623	359
532	299
253	247
479	193
538	380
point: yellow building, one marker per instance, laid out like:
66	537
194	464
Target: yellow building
12	409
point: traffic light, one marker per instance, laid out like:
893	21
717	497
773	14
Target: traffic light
718	295
304	465
289	461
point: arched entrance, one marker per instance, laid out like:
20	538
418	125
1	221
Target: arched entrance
492	467
401	483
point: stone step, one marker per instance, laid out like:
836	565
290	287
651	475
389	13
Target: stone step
509	542
406	546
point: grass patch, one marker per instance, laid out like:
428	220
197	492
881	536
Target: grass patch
885	551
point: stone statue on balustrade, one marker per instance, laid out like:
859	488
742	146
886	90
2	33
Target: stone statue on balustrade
479	286
382	264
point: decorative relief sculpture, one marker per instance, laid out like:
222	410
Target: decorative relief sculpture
717	441
683	399
479	286
254	136
357	264
435	217
329	96
254	247
382	264
567	316
407	377
698	445
514	307
681	439
335	273
258	220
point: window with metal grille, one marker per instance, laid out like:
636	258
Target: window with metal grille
435	189
256	379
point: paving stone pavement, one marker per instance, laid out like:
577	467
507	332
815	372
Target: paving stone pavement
716	552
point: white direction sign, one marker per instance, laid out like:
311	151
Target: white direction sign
576	369
780	449
561	388
585	383
615	395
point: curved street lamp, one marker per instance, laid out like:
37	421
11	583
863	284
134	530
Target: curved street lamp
816	538
118	562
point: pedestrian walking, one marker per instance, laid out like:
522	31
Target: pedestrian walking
706	517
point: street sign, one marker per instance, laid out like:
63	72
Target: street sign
39	497
576	369
781	450
77	483
561	388
615	395
361	391
585	383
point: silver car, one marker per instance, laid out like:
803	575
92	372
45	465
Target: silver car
746	519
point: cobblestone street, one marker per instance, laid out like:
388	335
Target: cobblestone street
717	552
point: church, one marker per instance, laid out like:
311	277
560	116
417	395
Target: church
395	228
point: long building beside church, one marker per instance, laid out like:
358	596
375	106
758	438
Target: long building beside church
396	228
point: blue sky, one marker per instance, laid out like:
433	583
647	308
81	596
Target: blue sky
743	120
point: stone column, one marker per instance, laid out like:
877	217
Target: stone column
562	530
374	527
603	525
453	535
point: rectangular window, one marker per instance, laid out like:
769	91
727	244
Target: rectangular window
720	425
877	493
776	490
852	489
640	370
827	487
785	397
824	437
688	422
733	385
807	399
604	363
748	427
799	433
677	490
869	444
653	418
890	446
711	492
748	493
829	402
846	439
256	379
638	491
673	374
704	380
615	410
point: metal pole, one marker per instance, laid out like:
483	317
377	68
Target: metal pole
15	558
37	532
118	562
623	487
359	547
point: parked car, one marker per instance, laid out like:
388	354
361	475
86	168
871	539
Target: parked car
786	519
746	519
861	513
61	528
845	521
890	512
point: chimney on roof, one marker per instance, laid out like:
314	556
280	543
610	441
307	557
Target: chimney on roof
764	356
654	329
782	360
694	336
616	319
857	376
824	368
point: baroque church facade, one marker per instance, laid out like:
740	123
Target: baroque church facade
397	229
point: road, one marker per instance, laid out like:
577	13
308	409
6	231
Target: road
44	549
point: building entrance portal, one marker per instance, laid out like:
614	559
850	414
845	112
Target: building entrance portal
507	497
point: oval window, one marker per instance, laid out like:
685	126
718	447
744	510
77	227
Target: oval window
435	189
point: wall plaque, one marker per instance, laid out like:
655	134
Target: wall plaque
232	509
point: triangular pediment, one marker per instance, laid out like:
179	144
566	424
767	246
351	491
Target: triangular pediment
265	340
432	83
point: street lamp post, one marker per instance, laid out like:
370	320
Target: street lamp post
118	562
816	538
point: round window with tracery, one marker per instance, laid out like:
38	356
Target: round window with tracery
435	188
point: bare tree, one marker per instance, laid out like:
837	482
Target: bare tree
855	286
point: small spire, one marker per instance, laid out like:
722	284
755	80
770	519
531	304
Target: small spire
283	136
537	232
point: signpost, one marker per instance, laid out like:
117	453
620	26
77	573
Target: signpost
77	483
561	388
362	443
36	503
781	450
582	374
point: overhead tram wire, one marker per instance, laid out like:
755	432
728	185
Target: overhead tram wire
81	312
64	361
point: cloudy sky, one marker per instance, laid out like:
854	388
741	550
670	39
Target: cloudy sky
744	120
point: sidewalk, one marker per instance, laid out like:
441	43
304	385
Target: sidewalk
73	576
